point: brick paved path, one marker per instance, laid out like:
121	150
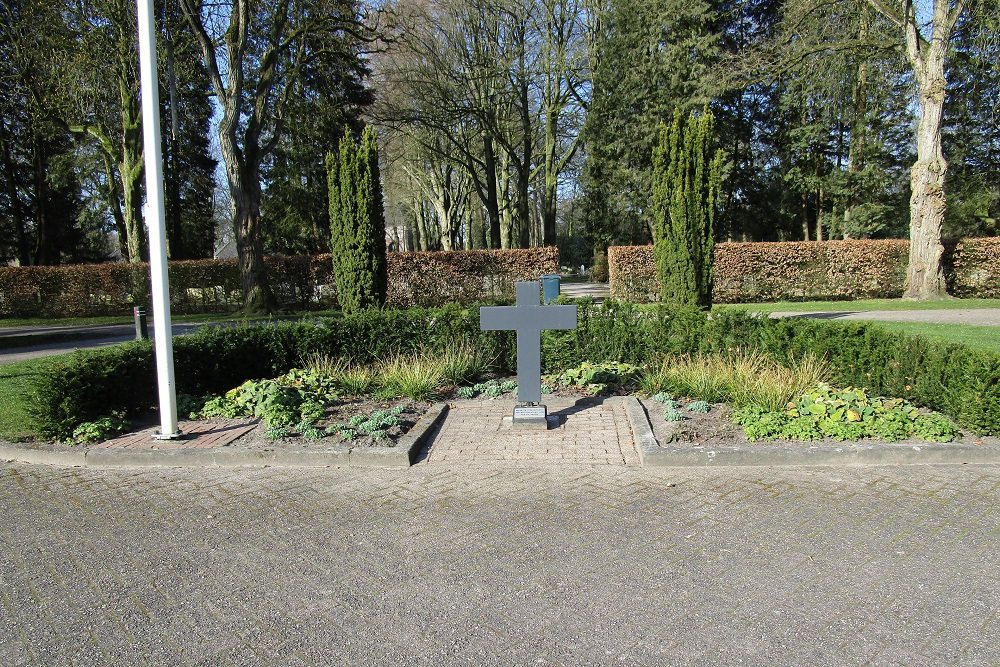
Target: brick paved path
589	432
488	565
197	435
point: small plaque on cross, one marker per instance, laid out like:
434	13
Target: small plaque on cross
528	318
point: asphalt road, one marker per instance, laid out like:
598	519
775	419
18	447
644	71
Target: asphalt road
492	565
61	340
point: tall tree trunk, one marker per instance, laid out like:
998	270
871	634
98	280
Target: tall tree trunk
819	215
257	296
130	166
925	275
804	215
524	166
492	202
859	133
243	174
175	232
551	180
16	210
45	251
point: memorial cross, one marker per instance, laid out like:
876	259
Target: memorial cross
528	318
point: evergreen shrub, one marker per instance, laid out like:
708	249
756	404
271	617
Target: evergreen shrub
686	179
357	222
953	379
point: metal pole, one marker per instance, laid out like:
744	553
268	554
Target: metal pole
155	221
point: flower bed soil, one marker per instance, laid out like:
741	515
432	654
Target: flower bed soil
714	429
341	413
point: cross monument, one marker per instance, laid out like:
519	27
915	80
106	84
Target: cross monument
528	318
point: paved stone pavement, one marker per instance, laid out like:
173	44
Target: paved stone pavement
490	565
589	432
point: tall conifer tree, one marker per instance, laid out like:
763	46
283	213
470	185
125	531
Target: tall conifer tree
686	179
357	222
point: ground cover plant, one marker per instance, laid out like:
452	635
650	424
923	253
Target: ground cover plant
596	378
308	401
844	414
492	389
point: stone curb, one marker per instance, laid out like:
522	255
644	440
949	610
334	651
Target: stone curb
408	447
652	454
642	430
403	454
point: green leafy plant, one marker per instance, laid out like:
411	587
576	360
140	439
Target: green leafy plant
598	377
296	397
190	406
662	397
276	432
100	429
698	406
310	430
844	414
466	392
493	390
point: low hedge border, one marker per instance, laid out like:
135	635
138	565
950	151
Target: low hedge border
803	271
956	380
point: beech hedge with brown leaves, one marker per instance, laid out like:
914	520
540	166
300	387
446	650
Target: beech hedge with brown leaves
302	282
819	270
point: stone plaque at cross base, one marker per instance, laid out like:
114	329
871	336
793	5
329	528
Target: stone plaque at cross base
528	318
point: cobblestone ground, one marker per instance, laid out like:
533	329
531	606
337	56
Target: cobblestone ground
438	565
590	433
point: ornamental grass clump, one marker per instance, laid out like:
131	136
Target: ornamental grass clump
465	363
352	379
755	379
743	378
419	376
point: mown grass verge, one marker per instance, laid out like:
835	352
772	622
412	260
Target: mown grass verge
16	384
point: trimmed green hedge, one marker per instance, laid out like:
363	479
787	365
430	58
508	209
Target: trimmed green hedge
953	379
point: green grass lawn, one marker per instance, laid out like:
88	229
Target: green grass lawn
981	337
864	305
15	383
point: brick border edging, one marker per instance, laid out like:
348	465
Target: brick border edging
652	454
403	454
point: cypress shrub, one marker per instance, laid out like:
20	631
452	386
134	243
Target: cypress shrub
686	179
357	223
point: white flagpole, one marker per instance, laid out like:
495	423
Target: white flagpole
153	157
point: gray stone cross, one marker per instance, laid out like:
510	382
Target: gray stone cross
528	318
